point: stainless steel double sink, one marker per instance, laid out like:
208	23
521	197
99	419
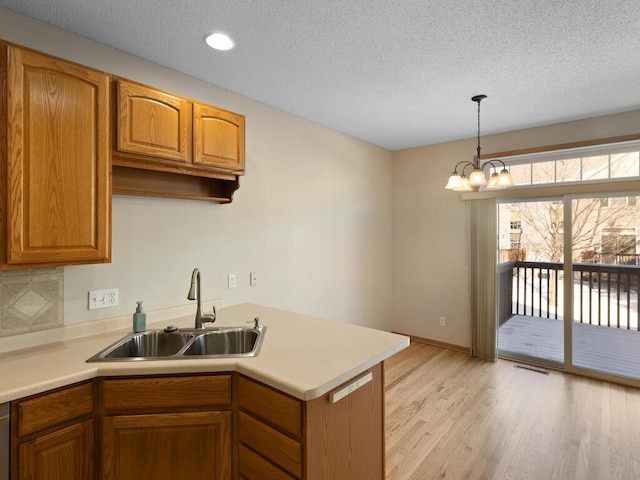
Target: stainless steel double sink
170	344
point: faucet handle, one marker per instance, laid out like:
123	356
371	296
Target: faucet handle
255	321
209	317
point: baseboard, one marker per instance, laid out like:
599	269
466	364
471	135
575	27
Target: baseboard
436	343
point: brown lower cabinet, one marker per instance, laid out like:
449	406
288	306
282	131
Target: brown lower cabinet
161	428
327	438
211	427
167	446
52	435
66	453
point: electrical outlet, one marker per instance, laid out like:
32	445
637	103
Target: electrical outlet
253	279
231	280
443	322
103	298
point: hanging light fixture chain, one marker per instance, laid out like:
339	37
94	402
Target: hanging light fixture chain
478	99
478	158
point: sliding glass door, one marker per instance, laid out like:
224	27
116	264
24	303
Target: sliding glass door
568	277
605	277
530	272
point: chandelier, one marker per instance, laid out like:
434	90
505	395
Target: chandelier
459	181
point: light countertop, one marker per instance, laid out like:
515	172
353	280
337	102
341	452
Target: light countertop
301	355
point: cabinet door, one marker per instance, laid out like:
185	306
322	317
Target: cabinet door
218	138
167	446
153	123
66	454
58	165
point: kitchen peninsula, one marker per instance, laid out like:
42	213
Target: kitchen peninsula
309	406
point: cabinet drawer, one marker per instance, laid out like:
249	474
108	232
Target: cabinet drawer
55	408
283	411
275	446
166	392
254	467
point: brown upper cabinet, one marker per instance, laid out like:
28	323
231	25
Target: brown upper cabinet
153	123
218	138
55	184
186	149
61	155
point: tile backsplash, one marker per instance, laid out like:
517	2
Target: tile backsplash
31	299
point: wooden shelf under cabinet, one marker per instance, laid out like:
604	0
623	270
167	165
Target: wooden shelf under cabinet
136	181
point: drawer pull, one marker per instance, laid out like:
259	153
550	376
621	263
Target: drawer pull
352	387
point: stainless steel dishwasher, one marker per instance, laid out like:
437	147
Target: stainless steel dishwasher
4	441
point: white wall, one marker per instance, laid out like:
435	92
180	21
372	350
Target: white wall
312	216
430	224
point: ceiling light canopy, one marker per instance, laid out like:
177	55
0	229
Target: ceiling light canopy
220	41
458	180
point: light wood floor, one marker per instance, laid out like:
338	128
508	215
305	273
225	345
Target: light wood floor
455	417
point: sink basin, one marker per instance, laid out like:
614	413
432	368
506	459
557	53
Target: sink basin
152	343
237	341
185	344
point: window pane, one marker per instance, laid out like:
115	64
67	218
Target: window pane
544	172
521	174
625	165
568	170
595	168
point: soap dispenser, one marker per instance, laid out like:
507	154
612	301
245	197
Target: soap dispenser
139	319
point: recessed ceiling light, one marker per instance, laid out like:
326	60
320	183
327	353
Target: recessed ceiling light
220	41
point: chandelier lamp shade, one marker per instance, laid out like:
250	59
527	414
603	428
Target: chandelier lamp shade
499	175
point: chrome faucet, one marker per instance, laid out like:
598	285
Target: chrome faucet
194	294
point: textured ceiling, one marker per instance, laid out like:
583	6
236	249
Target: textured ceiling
393	73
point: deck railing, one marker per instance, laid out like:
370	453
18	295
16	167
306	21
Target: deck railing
604	294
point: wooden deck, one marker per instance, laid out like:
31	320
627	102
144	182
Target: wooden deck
606	349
